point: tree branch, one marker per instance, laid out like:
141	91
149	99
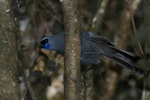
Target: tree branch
98	19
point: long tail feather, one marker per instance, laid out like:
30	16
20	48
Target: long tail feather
127	54
127	60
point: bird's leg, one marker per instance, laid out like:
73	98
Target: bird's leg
93	66
84	68
84	71
147	74
89	53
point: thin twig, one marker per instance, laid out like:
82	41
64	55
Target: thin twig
98	19
134	31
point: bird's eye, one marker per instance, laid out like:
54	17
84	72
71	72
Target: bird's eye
46	40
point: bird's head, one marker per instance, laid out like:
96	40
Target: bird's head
45	43
55	42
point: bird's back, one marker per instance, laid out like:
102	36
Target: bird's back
92	47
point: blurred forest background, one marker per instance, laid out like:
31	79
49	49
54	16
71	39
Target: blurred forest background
124	22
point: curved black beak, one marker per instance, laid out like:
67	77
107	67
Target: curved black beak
41	46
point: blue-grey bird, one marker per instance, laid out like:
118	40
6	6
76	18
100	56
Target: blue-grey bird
93	47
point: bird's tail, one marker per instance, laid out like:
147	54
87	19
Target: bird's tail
126	59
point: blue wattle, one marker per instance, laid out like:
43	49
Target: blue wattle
47	46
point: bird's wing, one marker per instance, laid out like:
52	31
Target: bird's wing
90	50
101	39
110	51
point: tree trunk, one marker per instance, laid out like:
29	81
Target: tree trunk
9	89
72	76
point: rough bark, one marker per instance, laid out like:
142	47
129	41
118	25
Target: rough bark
9	89
72	82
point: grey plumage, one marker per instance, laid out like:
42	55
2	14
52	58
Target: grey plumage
94	46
